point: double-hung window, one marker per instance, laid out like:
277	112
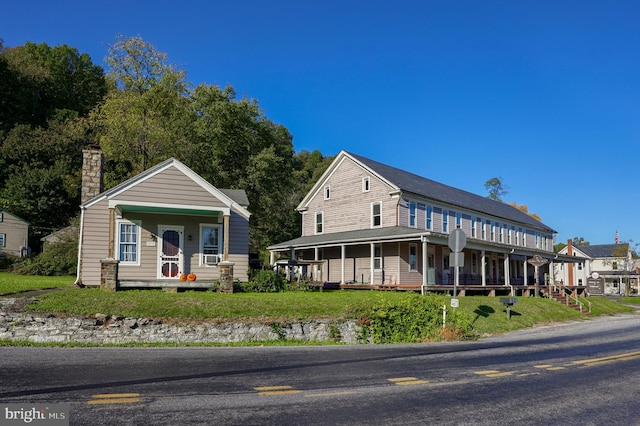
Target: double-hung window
211	240
445	221
413	257
319	222
412	214
376	215
128	243
473	227
458	221
429	217
3	240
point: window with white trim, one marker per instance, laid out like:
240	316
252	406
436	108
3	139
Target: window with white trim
376	214
3	240
473	227
512	231
458	220
412	214
1	216
128	242
210	243
484	229
445	221
524	237
377	257
319	222
366	184
327	192
493	231
429	216
413	257
474	262
500	233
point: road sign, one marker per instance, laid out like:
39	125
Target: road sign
456	260
455	303
457	240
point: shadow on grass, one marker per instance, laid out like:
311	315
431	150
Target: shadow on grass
483	311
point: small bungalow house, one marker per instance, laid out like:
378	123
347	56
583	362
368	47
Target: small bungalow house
14	235
607	269
159	228
366	223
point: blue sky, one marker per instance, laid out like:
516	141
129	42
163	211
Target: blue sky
543	94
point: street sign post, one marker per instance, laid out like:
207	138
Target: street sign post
457	241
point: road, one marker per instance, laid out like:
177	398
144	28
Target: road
579	373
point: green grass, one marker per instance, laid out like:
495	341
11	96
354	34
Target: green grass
488	314
12	283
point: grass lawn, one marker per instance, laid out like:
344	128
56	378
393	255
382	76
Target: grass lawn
488	314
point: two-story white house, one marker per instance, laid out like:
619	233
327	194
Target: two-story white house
365	222
613	264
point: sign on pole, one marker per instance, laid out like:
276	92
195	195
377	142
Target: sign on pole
457	241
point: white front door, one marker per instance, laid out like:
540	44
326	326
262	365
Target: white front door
170	256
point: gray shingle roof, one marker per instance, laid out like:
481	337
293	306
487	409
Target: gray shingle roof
430	189
604	250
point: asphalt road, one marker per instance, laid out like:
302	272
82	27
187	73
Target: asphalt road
579	373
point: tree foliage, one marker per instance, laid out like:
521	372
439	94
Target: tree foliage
496	188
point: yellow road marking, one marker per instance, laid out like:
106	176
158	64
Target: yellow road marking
406	381
544	366
329	394
276	390
484	372
608	359
503	374
114	398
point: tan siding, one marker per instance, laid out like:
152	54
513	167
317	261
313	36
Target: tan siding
349	208
95	242
16	234
170	186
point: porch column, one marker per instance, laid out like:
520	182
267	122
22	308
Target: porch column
315	265
526	278
225	238
226	267
272	257
372	247
343	254
552	274
483	267
507	271
425	268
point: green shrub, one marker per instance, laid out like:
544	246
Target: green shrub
265	281
412	318
60	258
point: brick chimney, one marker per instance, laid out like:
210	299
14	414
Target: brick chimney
570	266
92	172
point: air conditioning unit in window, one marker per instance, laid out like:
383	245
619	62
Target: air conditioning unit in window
210	259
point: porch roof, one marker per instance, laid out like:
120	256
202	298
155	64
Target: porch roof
402	233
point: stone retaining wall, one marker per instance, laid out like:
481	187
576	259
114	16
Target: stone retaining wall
19	326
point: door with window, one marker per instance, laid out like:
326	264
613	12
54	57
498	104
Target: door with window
170	252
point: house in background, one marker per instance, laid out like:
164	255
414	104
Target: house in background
609	266
366	223
158	227
14	235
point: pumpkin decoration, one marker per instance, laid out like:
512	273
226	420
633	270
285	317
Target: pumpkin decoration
191	277
183	277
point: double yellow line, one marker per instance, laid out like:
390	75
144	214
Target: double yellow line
114	398
608	359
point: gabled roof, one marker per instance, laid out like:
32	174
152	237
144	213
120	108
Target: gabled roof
233	198
419	186
16	217
604	250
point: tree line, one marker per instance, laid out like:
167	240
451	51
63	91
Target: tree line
140	110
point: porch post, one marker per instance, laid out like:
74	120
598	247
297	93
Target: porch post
315	265
371	262
484	267
226	267
425	268
343	254
225	238
507	271
272	257
526	278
